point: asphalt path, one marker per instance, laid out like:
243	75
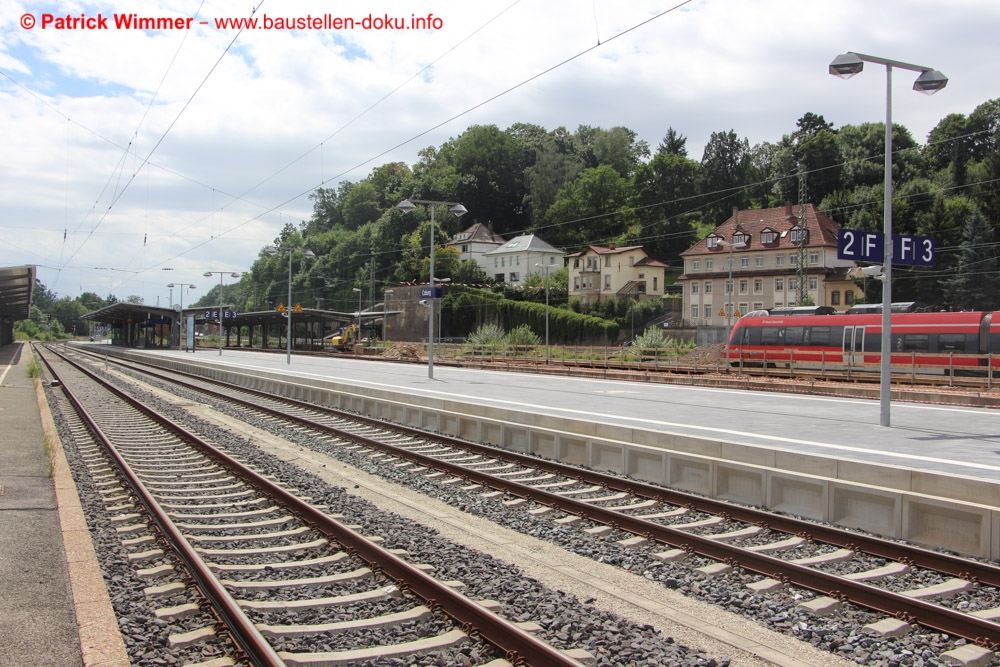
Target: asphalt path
954	440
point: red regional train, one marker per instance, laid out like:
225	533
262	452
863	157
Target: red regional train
943	342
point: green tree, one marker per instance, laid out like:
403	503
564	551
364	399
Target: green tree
594	208
673	143
724	166
973	285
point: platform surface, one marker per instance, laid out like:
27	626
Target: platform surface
37	618
951	440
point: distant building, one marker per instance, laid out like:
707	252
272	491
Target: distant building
475	242
765	255
516	259
609	272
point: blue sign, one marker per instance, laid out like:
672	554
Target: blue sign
432	293
870	247
214	314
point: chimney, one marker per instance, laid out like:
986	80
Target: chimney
736	216
788	210
611	246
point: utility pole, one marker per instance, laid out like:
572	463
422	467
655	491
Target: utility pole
801	271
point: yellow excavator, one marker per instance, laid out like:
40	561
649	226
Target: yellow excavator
345	339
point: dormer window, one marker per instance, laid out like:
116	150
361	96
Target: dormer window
768	236
741	238
712	242
798	235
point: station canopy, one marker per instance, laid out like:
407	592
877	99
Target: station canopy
16	286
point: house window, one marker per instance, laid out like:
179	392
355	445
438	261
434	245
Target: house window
607	282
813	258
631	261
712	242
758	305
744	286
576	263
607	261
708	287
779	284
768	236
729	287
813	282
729	264
496	262
498	277
778	304
743	308
694	312
798	235
835	298
694	288
655	285
793	284
513	278
779	260
758	261
793	259
503	261
519	260
696	265
849	297
758	287
744	262
708	265
465	248
741	238
576	283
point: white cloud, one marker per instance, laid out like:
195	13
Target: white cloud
712	65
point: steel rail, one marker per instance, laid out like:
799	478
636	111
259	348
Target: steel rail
258	650
975	571
518	644
913	610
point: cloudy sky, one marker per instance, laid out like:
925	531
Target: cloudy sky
134	158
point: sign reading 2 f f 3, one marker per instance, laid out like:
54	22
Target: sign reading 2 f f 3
870	247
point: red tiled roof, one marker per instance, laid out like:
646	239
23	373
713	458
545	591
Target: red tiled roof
822	230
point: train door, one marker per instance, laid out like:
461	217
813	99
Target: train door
854	345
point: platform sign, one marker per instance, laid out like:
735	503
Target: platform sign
907	250
435	292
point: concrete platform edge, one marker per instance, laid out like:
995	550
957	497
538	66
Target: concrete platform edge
100	639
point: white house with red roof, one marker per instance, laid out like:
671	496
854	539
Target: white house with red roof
520	257
610	272
474	242
765	252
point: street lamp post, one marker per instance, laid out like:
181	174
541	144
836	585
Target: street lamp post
209	274
457	210
180	318
308	254
929	82
546	267
730	288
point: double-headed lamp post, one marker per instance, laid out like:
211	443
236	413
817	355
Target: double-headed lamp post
929	82
209	274
308	254
180	318
730	288
546	267
458	211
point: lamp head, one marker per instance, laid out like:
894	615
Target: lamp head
406	206
234	275
171	285
207	274
930	81
846	65
309	254
271	250
458	210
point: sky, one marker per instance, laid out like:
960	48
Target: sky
132	158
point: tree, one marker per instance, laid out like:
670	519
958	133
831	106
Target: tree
553	168
594	208
361	205
616	148
973	285
674	143
665	189
490	185
724	167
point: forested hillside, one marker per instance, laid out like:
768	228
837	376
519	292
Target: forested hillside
598	186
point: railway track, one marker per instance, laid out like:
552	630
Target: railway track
908	585
268	564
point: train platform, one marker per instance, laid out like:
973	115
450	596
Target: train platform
54	608
932	478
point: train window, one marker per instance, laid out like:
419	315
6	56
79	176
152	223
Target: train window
820	336
794	335
951	343
771	335
916	342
